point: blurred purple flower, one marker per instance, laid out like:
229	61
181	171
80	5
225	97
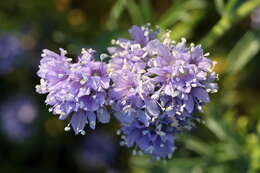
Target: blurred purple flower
255	18
157	86
17	117
77	88
11	49
98	151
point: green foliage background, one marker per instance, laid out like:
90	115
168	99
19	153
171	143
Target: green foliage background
229	139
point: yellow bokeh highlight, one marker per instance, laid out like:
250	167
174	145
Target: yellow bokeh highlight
76	17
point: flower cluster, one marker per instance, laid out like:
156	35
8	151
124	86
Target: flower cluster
152	85
78	88
157	85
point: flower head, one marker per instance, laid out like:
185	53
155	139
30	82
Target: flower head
75	88
157	86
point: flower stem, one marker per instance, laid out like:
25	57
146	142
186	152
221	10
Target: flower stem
228	20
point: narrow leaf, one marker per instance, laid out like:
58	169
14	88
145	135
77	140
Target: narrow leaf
135	12
246	48
115	13
219	6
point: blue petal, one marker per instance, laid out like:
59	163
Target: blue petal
189	104
78	121
152	107
91	119
132	137
125	116
103	115
143	143
144	118
201	94
89	103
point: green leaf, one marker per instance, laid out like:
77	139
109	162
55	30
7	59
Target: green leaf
135	12
229	19
230	6
115	14
216	128
246	48
146	10
178	10
196	145
184	162
185	29
220	6
145	162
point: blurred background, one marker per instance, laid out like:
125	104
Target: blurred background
32	140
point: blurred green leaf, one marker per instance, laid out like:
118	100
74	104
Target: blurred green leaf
225	131
220	6
228	20
230	6
196	145
115	14
144	162
146	10
184	162
135	12
216	128
245	49
185	29
178	10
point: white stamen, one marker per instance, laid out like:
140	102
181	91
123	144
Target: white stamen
207	54
67	128
178	113
69	59
183	39
193	85
82	132
82	81
181	70
169	156
134	152
113	41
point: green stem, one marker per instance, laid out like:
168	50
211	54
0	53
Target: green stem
227	21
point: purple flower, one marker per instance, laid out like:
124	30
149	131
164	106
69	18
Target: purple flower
75	88
17	117
152	85
255	18
97	151
11	49
157	86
